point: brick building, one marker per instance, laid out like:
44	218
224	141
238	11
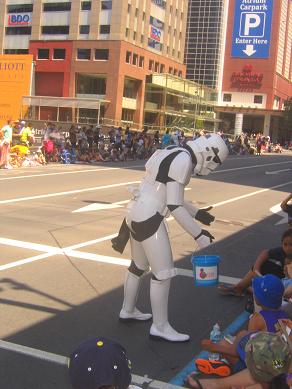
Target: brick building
101	50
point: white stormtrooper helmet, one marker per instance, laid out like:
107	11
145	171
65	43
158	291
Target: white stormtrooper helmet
210	152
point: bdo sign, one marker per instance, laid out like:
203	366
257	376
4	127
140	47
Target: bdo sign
19	19
252	28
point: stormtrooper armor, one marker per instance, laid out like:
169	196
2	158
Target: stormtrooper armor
161	192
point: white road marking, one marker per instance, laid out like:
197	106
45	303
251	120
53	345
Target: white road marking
101	206
71	172
68	192
276	209
249	167
278	171
250	194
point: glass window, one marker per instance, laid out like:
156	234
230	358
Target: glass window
104	29
258	99
84	29
101	54
105	5
142	38
227	97
18	30
19	8
141	62
16	51
53	7
135	59
83	54
134	35
162	68
43	53
128	57
59	54
90	84
127	32
151	64
55	30
85	5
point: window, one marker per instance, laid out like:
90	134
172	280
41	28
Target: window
90	84
19	8
128	57
258	99
141	62
85	5
134	35
83	54
162	68
104	29
175	72
170	70
55	30
156	67
43	53
16	51
137	12
53	7
84	29
180	73
135	59
127	33
129	8
101	54
18	30
142	38
59	54
227	97
151	64
106	5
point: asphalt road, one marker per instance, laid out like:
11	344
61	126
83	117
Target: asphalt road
61	282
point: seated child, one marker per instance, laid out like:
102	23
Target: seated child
268	262
268	293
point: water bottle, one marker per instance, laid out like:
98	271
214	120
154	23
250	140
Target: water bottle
215	337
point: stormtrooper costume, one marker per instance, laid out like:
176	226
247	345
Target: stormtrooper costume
161	192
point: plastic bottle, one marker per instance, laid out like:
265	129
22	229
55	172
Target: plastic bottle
215	337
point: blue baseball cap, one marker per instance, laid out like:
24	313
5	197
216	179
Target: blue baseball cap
99	362
268	290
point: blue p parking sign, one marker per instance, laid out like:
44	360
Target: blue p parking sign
252	28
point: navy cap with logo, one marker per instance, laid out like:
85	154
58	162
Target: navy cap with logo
99	362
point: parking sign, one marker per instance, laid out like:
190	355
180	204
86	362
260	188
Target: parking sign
252	28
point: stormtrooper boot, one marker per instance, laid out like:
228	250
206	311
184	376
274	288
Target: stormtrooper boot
129	311
161	329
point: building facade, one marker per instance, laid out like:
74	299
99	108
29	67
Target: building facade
251	63
205	39
96	49
257	68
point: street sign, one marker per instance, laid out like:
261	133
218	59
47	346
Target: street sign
252	28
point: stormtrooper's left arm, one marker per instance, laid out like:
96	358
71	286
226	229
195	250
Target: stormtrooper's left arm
179	176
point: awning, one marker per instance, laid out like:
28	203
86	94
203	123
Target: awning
64	102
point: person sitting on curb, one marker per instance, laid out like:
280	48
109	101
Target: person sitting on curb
268	359
287	207
268	293
268	262
100	363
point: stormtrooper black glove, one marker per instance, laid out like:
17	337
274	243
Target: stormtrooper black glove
204	239
204	216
